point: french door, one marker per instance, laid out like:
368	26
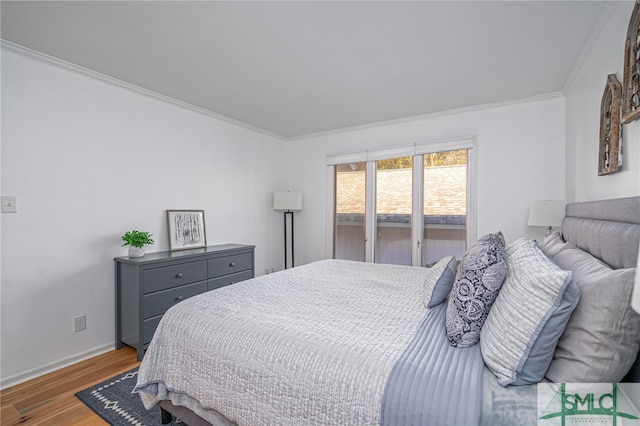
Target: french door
408	210
393	211
350	199
445	215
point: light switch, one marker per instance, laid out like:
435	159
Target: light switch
9	204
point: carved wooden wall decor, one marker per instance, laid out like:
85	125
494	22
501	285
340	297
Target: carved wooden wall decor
610	152
631	80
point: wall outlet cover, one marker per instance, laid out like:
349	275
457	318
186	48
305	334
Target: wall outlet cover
80	323
9	204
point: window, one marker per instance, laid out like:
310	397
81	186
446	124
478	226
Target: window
394	202
349	237
390	207
445	205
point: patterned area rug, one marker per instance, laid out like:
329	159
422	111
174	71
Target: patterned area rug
114	401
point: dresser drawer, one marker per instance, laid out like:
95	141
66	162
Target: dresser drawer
149	327
230	264
147	286
229	279
171	276
157	303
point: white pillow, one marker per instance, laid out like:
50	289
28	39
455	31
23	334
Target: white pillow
519	243
528	317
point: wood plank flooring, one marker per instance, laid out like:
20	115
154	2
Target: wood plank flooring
51	400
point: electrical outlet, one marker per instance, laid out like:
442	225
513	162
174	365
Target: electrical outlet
79	323
273	270
266	271
9	204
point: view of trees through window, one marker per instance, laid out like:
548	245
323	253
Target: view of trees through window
434	159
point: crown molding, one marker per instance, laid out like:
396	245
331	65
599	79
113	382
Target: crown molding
596	31
473	108
25	51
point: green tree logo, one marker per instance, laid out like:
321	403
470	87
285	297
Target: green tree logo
610	405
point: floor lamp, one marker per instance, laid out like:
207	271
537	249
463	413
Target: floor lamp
287	202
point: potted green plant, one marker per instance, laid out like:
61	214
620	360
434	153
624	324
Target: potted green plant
136	240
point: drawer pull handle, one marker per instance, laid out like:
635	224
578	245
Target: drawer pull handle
179	275
178	299
232	264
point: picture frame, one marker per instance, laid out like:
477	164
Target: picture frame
610	143
186	229
631	77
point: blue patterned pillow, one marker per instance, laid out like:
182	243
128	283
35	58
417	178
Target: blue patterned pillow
493	239
480	275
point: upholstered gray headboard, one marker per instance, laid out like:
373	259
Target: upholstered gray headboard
610	231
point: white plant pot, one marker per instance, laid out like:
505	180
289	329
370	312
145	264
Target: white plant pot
136	252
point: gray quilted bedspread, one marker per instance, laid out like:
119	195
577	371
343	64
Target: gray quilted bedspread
434	383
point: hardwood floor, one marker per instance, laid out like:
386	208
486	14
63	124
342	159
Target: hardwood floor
50	399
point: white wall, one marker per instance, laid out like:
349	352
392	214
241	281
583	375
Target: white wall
89	160
521	157
583	98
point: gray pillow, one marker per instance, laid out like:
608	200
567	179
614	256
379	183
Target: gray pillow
553	244
601	340
480	275
439	280
529	315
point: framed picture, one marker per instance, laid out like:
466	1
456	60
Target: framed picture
631	78
610	146
186	229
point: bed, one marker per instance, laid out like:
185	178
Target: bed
341	342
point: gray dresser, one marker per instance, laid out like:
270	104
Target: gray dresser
147	286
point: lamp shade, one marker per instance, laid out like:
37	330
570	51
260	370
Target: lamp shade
291	201
546	212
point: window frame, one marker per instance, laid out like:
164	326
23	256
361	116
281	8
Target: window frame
370	156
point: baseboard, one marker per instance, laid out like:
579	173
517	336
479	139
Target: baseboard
16	379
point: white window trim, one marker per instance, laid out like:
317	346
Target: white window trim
446	145
371	224
330	196
472	192
417	213
346	158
